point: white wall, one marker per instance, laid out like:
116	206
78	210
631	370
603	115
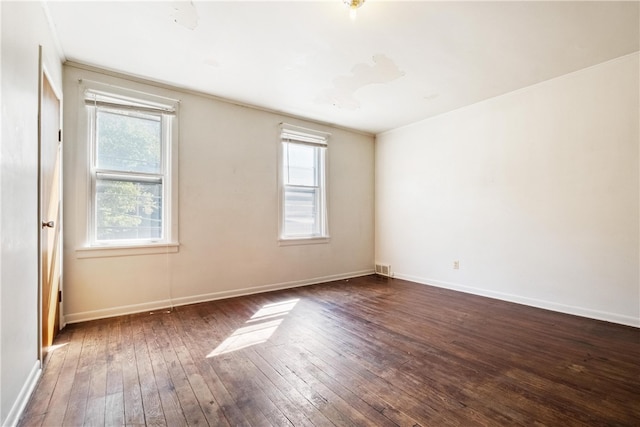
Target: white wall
228	221
535	193
24	27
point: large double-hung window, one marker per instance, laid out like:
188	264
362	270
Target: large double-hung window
130	170
303	189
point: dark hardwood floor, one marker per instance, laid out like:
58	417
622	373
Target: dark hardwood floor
368	351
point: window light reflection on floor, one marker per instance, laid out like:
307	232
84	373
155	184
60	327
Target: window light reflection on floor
54	347
260	328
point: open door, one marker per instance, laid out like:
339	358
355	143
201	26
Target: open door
50	211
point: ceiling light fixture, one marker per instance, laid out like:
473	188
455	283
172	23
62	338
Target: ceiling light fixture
353	5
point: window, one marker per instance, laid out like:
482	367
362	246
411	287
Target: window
131	170
303	186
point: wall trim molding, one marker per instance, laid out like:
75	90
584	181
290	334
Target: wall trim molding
532	302
175	302
23	397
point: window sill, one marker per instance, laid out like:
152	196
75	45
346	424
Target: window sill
303	241
114	251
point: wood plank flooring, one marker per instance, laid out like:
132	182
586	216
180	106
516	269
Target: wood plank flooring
368	351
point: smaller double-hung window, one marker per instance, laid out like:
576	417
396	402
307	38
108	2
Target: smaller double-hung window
303	185
132	202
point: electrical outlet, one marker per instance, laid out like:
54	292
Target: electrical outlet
456	265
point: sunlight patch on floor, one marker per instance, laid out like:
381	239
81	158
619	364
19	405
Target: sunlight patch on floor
54	347
260	328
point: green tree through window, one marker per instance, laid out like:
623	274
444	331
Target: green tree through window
129	175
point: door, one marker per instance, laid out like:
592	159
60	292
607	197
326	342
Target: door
50	212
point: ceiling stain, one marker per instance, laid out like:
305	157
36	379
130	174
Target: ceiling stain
342	94
185	14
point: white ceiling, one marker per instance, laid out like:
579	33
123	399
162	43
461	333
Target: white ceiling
397	63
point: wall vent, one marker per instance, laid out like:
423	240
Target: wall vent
383	270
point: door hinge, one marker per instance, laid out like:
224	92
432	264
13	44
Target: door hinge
59	296
59	135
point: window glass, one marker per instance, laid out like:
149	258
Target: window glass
128	210
130	142
301	212
300	164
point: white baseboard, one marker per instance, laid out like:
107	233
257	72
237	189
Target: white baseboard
547	305
174	302
23	397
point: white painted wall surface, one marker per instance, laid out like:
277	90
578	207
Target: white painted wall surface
228	214
534	192
24	27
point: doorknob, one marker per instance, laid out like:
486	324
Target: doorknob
49	224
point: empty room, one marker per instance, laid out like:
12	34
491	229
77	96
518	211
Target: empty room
320	213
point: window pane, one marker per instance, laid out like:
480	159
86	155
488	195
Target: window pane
128	210
129	142
300	164
301	212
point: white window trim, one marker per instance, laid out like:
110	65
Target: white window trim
88	247
312	137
